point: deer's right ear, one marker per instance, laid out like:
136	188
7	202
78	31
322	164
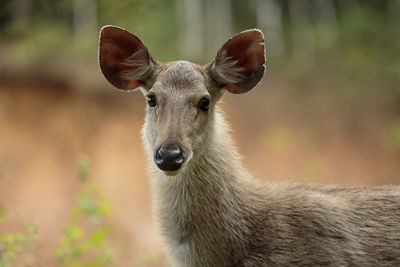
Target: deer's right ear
124	59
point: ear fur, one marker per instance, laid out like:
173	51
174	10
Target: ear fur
124	59
240	63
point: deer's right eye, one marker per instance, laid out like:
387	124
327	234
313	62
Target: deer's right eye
151	100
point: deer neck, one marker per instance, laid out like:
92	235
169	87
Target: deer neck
207	193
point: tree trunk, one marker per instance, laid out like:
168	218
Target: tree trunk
218	24
191	28
85	20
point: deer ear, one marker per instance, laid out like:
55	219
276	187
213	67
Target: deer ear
240	63
124	59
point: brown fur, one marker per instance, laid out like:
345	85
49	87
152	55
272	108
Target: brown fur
212	212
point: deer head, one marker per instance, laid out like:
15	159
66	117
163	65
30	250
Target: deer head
181	96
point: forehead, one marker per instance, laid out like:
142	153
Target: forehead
180	75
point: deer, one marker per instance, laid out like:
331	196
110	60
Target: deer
209	210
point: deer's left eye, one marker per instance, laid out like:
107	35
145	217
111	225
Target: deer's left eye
151	100
204	103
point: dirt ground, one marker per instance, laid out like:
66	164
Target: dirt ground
44	128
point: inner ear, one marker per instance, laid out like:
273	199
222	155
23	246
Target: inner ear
124	60
240	63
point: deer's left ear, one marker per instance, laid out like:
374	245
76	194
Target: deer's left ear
124	59
240	63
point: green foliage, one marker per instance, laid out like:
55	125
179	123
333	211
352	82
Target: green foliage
16	247
41	38
359	47
361	42
156	22
86	239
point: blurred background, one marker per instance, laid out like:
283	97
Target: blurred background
73	184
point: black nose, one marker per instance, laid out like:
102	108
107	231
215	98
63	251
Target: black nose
169	157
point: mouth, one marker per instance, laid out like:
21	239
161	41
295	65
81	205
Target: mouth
171	173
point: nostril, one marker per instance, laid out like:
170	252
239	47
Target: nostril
180	157
158	156
180	160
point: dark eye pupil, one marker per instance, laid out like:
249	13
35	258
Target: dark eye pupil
204	103
151	100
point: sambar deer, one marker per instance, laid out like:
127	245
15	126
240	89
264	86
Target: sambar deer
210	210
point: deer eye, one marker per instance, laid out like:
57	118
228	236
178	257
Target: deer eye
151	100
204	103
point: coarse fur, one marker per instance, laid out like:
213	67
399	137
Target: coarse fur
212	212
